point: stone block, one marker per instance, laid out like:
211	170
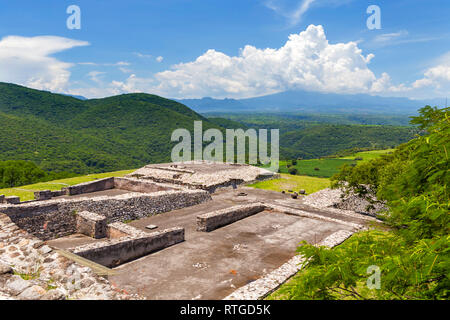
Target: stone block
12	200
17	285
112	253
59	193
32	293
118	230
91	224
43	195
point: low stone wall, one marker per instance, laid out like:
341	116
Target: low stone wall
91	224
92	186
137	185
216	219
127	184
58	193
43	195
12	200
112	253
57	218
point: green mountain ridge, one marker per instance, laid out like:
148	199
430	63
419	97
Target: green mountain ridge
63	133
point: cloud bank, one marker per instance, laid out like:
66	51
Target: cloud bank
307	61
437	77
28	61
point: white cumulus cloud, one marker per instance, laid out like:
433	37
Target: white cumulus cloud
28	61
437	76
306	61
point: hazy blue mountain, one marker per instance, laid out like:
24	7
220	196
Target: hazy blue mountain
312	102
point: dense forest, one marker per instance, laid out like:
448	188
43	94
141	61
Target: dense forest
412	255
61	133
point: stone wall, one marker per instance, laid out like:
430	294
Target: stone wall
12	200
92	186
114	252
137	185
216	219
43	195
57	218
51	276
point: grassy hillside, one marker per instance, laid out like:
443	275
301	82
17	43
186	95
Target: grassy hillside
61	133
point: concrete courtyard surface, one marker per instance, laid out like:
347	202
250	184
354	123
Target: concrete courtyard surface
212	265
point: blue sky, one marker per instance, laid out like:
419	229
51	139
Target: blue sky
238	49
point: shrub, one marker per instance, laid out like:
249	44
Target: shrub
413	256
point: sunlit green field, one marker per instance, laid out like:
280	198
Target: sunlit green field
27	192
322	168
294	183
327	167
309	178
368	155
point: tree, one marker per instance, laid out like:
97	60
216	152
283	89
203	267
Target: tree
413	255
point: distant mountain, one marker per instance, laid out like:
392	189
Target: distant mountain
311	102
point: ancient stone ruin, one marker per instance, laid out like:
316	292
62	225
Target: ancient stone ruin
167	231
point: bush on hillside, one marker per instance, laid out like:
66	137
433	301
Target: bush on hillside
413	256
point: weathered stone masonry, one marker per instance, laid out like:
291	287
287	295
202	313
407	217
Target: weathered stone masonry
57	218
114	252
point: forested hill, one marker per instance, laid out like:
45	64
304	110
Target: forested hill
60	132
63	133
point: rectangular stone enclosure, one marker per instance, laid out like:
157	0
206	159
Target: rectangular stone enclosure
112	253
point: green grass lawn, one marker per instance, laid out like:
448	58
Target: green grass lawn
327	167
368	155
27	192
294	183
